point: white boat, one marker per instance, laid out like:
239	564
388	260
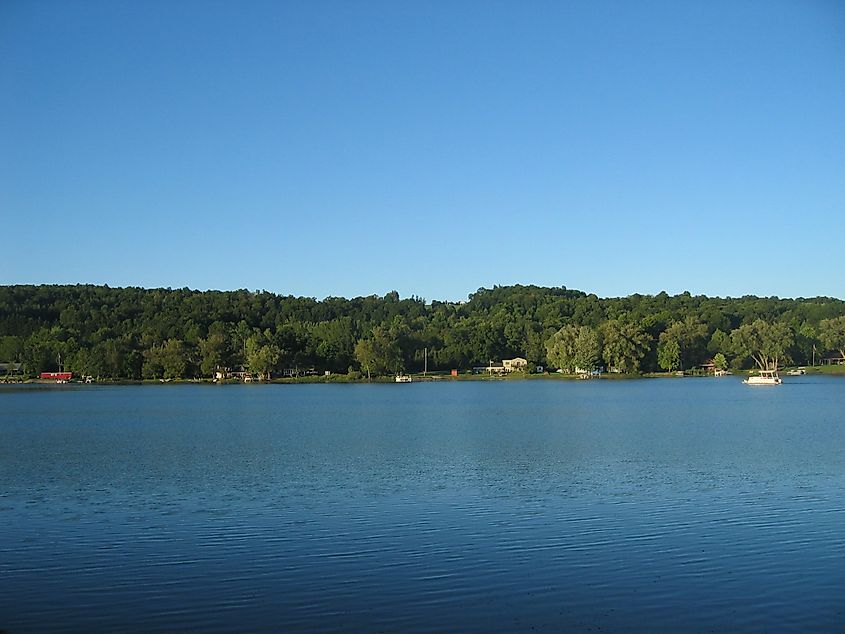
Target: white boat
766	377
797	372
403	378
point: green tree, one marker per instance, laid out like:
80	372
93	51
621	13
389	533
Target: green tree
625	344
366	355
457	344
806	342
335	343
240	334
10	348
720	362
82	363
110	355
560	348
766	343
153	366
689	334
832	334
587	349
668	354
134	362
720	341
42	351
174	359
535	350
213	353
262	358
379	354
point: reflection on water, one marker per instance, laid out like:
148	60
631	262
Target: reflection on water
654	505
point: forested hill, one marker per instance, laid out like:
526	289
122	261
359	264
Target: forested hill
151	333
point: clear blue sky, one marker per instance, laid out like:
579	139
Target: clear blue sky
349	148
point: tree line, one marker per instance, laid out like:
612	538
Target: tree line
135	333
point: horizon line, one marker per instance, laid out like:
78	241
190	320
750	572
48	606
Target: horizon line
414	296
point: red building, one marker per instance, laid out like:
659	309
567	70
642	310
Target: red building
57	376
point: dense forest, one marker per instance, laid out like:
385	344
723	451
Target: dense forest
134	333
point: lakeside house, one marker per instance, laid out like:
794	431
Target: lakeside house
297	372
490	368
517	364
708	366
584	373
241	374
9	367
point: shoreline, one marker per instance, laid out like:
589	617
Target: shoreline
339	379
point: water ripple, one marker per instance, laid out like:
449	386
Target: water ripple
308	510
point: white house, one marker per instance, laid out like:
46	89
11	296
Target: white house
515	365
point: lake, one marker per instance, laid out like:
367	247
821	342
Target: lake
658	505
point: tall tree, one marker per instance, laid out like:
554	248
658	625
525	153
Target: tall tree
766	343
335	343
832	334
10	348
587	349
720	341
560	348
379	354
689	334
42	351
261	357
365	353
152	367
669	353
174	359
213	353
625	344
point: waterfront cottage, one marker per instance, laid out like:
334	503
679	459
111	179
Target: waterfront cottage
515	365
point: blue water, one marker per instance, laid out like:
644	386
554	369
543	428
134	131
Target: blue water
653	505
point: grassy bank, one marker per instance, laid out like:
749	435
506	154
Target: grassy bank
826	369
